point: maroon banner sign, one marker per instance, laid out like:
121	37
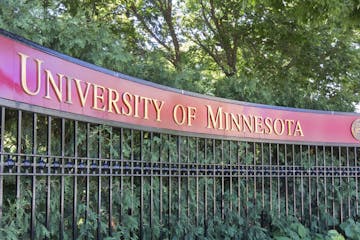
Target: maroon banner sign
41	77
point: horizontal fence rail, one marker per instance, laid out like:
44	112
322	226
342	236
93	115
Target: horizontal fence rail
73	179
101	167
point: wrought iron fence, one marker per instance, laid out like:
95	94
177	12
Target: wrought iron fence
79	179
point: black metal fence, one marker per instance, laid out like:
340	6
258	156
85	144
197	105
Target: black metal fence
74	179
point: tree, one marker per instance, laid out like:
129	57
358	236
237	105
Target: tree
290	53
158	19
219	31
300	53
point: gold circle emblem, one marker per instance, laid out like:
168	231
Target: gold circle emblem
355	129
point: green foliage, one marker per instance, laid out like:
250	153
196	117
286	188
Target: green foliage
290	228
351	229
16	222
289	53
181	207
15	225
334	235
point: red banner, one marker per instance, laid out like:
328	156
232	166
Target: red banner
41	77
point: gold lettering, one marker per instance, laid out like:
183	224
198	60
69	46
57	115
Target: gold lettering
248	123
289	125
146	103
56	88
68	90
298	129
268	124
136	106
227	127
236	121
216	122
183	114
158	109
98	97
191	115
282	127
258	124
126	97
113	98
24	85
83	96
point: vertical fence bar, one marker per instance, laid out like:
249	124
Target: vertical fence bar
262	177
87	175
356	182
151	187
325	185
348	181
222	182
33	179
271	178
317	184
302	185
340	185
161	187
229	167
205	189
309	182
294	179
18	150
48	178
141	215
132	169
2	131
188	180
99	172
121	172
197	183
178	143
333	182
254	173
169	186
246	179
214	174
62	190
286	182
75	182
278	179
112	161
238	148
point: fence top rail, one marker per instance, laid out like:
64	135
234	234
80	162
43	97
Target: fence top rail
46	81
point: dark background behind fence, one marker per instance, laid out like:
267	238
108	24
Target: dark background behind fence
68	179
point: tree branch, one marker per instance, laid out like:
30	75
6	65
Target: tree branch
147	28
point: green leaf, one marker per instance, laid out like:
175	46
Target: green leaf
282	238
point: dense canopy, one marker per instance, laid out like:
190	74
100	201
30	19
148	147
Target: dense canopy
300	53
